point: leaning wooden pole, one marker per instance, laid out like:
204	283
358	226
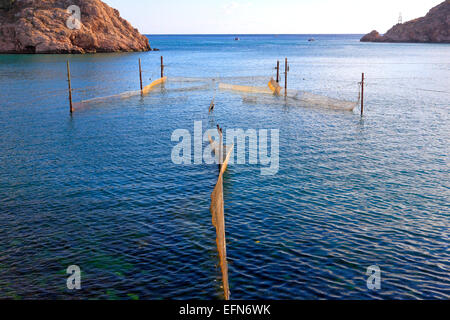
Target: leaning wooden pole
362	94
162	67
70	87
140	74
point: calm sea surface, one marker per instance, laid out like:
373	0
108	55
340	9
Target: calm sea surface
99	189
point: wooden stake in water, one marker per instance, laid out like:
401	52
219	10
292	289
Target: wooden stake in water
278	71
362	94
140	74
285	76
70	87
162	67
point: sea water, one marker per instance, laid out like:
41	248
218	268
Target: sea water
99	190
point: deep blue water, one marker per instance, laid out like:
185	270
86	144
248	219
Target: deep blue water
99	189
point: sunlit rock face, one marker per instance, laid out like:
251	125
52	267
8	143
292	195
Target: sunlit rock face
46	26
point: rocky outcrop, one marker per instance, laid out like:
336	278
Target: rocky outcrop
434	27
46	26
374	36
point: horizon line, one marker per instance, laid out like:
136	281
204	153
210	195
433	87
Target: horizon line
250	34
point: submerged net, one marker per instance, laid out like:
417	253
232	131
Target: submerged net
293	97
244	89
123	95
315	100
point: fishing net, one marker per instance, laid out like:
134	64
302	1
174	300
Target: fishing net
244	89
250	94
153	85
268	92
218	215
314	100
123	95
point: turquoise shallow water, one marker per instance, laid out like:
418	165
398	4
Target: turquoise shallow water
99	189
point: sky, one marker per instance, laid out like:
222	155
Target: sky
268	17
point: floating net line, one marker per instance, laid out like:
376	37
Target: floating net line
218	212
153	85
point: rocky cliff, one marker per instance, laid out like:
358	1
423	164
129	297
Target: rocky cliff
434	27
47	26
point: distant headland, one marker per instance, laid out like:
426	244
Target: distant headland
433	28
53	26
